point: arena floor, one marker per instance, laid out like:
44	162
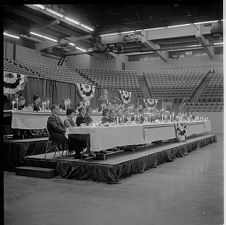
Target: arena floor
188	191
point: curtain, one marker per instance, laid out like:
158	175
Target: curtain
55	91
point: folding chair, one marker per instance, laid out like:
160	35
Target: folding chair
54	146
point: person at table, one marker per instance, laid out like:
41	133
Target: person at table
36	103
62	104
81	119
141	114
69	122
135	115
126	115
56	127
105	114
103	99
88	115
120	115
21	103
112	116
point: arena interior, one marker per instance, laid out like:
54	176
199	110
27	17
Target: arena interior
158	69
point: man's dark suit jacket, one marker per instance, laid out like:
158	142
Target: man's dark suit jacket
104	119
55	125
36	107
81	119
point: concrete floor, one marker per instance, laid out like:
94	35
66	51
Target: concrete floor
188	191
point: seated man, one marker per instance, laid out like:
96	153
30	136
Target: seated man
88	115
112	117
56	127
126	115
69	122
105	115
21	103
81	119
136	115
36	103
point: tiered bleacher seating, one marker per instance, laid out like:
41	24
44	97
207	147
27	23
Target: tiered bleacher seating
14	67
211	99
116	79
204	106
63	73
174	83
214	89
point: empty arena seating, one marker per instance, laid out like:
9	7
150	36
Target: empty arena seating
174	83
57	73
118	79
211	98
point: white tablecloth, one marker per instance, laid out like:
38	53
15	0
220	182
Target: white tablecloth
198	127
102	138
35	120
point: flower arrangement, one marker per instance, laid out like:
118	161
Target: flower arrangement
125	96
150	102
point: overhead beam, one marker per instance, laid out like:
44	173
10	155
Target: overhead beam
44	25
160	33
50	44
61	19
65	31
204	42
156	48
81	38
26	15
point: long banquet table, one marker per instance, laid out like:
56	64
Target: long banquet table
107	137
34	120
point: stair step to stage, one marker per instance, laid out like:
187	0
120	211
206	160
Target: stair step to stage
39	172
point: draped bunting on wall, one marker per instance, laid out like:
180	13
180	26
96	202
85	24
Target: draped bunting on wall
125	96
181	130
86	91
151	102
13	82
56	91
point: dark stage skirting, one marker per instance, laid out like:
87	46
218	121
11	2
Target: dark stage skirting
14	151
113	174
113	170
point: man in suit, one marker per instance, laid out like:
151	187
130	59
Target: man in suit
112	117
56	127
81	119
105	114
36	103
83	144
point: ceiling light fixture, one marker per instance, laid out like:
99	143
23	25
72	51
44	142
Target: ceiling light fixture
72	44
81	49
87	27
10	35
40	6
105	35
218	43
213	21
54	12
71	20
194	45
42	36
180	25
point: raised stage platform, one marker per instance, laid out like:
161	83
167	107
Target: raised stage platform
119	165
14	151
